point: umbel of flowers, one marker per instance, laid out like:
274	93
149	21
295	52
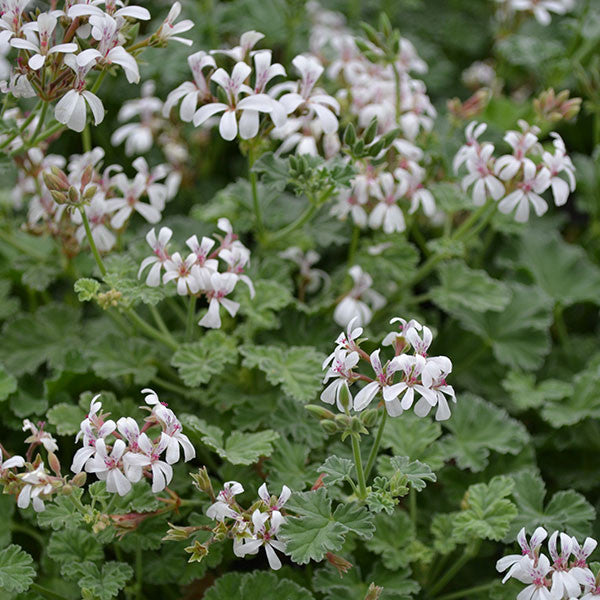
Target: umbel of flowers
410	379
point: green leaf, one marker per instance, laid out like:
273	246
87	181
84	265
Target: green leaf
61	513
9	305
519	334
260	311
199	361
567	510
8	384
488	513
525	394
239	448
288	465
71	547
259	584
16	570
50	335
416	472
442	529
562	270
107	583
316	530
463	287
582	403
297	369
274	171
393	537
115	356
66	418
336	469
476	427
86	289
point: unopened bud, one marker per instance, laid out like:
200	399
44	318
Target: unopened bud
328	427
371	34
177	533
349	135
202	482
90	192
61	177
369	417
79	479
373	592
54	463
385	24
320	411
371	131
73	195
356	426
87	175
343	421
344	397
58	197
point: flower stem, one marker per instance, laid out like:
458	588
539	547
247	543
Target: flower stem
559	325
360	475
299	222
412	506
469	552
376	443
353	244
168	340
86	138
159	320
46	592
191	318
254	186
88	233
467	591
41	120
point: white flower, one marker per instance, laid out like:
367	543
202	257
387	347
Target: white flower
39	436
181	270
98	215
352	305
161	256
513	562
565	580
132	192
265	529
40	44
86	9
400	338
216	287
387	212
434	378
71	108
222	508
558	163
11	463
534	183
190	93
316	101
369	391
341	369
237	258
109	467
412	367
522	143
274	502
248	40
249	107
480	176
170	31
37	483
149	455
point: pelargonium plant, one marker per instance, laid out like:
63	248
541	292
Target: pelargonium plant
299	301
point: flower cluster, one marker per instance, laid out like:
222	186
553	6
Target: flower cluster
122	453
56	51
568	576
516	180
360	302
256	527
406	378
198	273
108	197
541	9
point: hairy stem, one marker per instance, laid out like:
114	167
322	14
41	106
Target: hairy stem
191	318
360	475
92	243
376	443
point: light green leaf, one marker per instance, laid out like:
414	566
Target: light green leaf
71	547
61	513
488	513
393	537
239	448
107	583
416	472
199	361
297	369
289	465
316	530
66	418
50	335
442	529
567	510
261	311
525	394
562	270
336	469
9	305
463	287
8	384
582	403
86	289
476	427
259	584
16	570
115	356
519	334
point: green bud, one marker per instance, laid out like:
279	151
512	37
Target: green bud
328	427
73	196
349	135
359	148
293	162
344	397
59	197
371	131
320	411
373	592
202	481
343	421
79	479
376	148
362	45
369	417
385	25
371	34
90	192
357	427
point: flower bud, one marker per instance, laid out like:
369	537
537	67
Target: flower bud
87	175
320	411
369	417
61	178
344	397
79	479
349	135
373	592
177	533
356	426
340	563
73	195
90	192
343	421
54	463
202	482
58	197
328	427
